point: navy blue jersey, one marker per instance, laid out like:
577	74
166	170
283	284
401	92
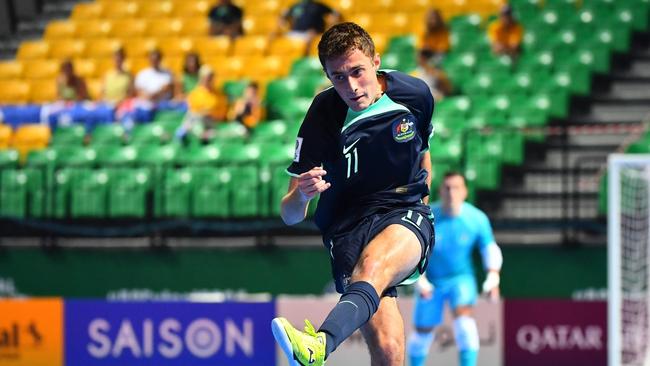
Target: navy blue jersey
372	157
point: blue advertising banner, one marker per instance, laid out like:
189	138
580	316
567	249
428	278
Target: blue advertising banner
101	333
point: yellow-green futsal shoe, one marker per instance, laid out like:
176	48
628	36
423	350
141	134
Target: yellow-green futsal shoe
301	349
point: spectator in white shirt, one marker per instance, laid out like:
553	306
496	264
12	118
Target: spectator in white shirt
155	83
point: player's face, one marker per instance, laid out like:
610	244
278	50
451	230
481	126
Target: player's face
354	76
453	192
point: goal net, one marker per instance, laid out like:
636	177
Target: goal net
628	257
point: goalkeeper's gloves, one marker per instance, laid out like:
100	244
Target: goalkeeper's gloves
491	284
424	287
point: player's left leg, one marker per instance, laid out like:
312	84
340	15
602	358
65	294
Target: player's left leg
465	329
384	334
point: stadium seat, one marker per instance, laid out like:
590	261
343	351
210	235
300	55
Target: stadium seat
108	134
116	156
5	136
11	70
75	156
119	9
212	46
8	158
30	50
68	135
211	192
147	133
288	47
155	9
176	47
127	28
84	11
195	27
186	9
30	137
60	29
13	193
260	25
269	131
14	91
128	193
41	69
176	192
94	29
306	66
250	45
42	91
89	194
163	27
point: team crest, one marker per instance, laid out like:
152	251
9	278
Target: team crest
404	129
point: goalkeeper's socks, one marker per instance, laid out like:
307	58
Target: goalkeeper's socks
354	309
468	357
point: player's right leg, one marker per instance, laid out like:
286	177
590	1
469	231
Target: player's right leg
463	297
384	334
427	314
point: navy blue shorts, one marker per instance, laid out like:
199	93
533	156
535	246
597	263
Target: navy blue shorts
345	248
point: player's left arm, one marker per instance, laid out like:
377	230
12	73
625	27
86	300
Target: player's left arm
492	258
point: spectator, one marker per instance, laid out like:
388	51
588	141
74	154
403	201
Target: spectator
307	18
505	34
435	40
154	83
118	83
206	106
434	76
190	76
70	90
70	87
226	19
248	108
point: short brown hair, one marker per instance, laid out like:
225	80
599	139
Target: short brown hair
343	38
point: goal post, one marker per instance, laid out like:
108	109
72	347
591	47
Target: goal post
628	252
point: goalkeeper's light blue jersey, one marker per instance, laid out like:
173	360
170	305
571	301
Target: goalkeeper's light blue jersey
456	238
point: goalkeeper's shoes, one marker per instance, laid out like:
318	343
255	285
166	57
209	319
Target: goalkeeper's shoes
301	348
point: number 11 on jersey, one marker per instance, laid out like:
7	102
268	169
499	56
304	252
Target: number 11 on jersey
353	158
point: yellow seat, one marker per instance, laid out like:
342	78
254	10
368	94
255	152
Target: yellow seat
226	67
41	69
270	8
85	11
163	27
43	91
173	64
95	86
102	47
195	27
365	20
127	28
266	67
212	46
14	91
119	9
86	68
376	6
185	9
155	9
136	64
60	29
176	46
5	136
395	23
103	66
93	28
260	25
250	45
33	50
287	46
139	47
67	48
30	137
11	70
380	40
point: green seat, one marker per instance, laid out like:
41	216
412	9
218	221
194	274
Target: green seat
243	163
67	156
8	158
269	131
177	189
310	85
279	91
402	44
169	115
89	195
633	15
234	89
230	132
199	155
553	101
157	158
68	135
306	66
108	134
147	133
116	155
274	159
66	180
13	193
447	150
574	79
128	193
291	109
593	59
610	37
483	174
211	193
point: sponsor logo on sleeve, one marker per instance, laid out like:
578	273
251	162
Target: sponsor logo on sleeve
403	129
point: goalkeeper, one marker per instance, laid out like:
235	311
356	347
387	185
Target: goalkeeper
460	227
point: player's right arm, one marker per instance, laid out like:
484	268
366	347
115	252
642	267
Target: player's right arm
302	189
